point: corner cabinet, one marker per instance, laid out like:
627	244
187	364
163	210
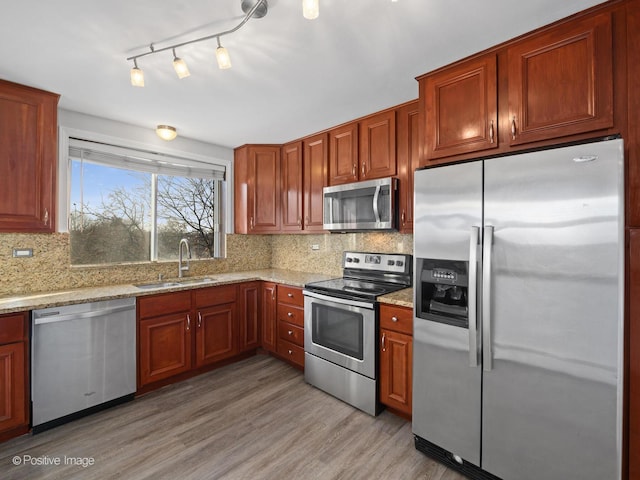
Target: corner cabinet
249	315
408	158
292	187
28	153
257	181
268	325
14	368
396	358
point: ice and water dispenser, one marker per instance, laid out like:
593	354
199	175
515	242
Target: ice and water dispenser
442	291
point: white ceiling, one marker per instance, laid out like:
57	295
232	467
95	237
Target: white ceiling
290	77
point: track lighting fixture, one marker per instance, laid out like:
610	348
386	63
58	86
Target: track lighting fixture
310	9
222	56
137	76
166	132
180	66
252	9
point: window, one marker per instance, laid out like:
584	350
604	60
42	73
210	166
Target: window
135	206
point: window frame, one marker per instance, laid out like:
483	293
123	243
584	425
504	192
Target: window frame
64	175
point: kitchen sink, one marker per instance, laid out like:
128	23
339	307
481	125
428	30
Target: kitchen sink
184	281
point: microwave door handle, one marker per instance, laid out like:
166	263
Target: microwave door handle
376	197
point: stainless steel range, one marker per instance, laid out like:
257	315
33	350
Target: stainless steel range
341	326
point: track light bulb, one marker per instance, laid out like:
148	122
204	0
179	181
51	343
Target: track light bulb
222	56
137	76
310	9
180	66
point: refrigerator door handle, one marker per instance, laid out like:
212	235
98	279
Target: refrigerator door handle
473	303
487	247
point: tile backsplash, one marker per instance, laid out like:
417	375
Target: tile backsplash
49	268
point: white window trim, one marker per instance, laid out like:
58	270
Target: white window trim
64	170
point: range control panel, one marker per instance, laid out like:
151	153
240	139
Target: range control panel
382	262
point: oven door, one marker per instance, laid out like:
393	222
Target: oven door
341	331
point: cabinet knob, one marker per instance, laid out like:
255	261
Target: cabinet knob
513	128
290	295
290	332
289	314
290	352
394	319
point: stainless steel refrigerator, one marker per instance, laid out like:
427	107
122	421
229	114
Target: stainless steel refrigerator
518	317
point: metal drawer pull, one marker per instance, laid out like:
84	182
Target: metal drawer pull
199	320
290	352
290	295
491	134
384	348
513	128
289	314
394	319
188	322
290	332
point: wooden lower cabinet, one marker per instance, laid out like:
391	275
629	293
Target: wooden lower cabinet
396	358
216	334
249	316
269	333
14	379
290	324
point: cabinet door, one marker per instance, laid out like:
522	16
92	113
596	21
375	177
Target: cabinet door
292	187
634	352
460	105
561	81
28	153
216	334
265	161
269	333
343	154
396	354
408	158
13	395
249	316
316	159
378	146
164	346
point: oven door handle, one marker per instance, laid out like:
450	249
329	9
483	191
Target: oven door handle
341	301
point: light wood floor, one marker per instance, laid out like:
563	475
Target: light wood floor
256	419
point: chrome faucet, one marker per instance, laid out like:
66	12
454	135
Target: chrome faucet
181	267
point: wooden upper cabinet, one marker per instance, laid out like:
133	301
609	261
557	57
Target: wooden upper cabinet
257	189
378	146
343	154
292	187
315	171
408	158
28	153
460	107
561	81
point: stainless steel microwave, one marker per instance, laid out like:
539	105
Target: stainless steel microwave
361	206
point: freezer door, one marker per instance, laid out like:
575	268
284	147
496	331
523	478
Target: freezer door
446	389
551	392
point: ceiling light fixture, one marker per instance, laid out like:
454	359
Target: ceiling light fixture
252	9
222	56
137	76
180	66
310	9
166	132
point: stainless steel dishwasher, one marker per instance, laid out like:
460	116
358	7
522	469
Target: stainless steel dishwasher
83	359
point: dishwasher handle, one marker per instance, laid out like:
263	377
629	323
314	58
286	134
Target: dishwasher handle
53	317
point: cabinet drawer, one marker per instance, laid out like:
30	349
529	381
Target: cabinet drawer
398	319
13	328
206	297
292	352
287	313
164	304
290	295
291	333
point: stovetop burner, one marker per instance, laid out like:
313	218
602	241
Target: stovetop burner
368	275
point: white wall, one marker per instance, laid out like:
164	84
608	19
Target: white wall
88	127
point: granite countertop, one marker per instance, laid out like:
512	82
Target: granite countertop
34	301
